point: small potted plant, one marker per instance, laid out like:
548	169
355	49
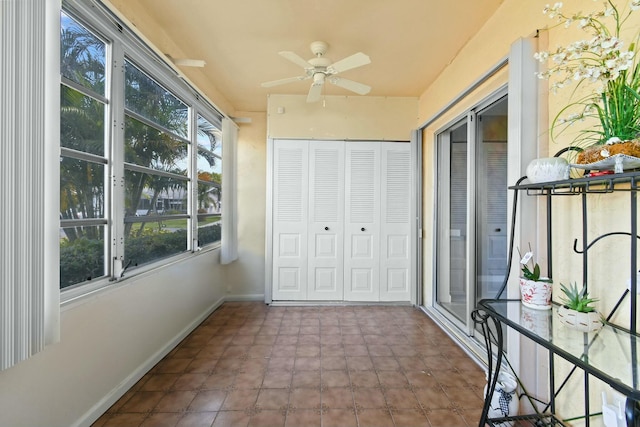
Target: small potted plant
535	291
576	311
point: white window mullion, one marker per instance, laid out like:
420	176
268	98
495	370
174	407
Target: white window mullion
116	180
470	277
192	187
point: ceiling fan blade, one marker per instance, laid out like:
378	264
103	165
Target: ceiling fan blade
356	60
359	88
314	92
284	81
295	58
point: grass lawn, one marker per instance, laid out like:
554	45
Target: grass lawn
175	223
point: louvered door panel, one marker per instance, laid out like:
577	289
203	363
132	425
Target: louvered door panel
362	221
290	219
395	222
326	220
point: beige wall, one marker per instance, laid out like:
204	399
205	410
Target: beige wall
342	117
245	277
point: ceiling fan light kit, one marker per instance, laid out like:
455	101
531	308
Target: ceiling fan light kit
321	69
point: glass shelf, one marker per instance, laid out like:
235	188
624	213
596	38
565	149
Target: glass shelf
610	354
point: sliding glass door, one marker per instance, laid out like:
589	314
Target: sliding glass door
471	244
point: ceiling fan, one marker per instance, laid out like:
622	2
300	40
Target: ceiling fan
320	69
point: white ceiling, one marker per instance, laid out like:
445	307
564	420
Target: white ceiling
409	41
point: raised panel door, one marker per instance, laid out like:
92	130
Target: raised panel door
362	221
290	220
395	225
326	221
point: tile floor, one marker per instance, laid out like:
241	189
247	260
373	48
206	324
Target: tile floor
250	364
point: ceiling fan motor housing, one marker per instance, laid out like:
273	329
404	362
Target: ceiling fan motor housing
319	48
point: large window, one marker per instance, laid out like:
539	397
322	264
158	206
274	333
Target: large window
141	157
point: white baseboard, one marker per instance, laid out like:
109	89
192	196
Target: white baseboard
250	297
112	397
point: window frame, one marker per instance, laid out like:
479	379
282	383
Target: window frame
121	45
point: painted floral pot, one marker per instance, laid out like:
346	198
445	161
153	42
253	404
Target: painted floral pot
535	295
584	322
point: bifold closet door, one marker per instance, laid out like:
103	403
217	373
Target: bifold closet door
290	219
362	221
341	221
395	222
326	221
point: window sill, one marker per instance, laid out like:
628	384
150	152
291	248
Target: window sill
79	295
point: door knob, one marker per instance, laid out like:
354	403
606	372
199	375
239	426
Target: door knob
497	230
326	228
362	229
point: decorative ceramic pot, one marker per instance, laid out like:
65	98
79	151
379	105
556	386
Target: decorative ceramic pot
548	169
535	294
584	322
504	401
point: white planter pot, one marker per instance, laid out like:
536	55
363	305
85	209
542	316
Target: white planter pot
548	169
584	322
535	295
504	401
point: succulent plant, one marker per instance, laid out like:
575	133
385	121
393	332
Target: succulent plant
577	300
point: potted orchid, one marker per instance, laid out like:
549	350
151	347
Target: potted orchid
535	291
606	74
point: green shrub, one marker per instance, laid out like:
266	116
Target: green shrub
82	259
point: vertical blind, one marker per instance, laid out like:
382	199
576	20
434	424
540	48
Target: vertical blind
229	249
29	297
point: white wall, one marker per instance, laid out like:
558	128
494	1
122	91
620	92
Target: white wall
108	341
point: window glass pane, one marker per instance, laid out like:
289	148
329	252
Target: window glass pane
81	189
211	231
149	147
81	254
148	194
152	240
82	55
209	168
209	182
209	199
209	212
209	137
147	98
81	122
